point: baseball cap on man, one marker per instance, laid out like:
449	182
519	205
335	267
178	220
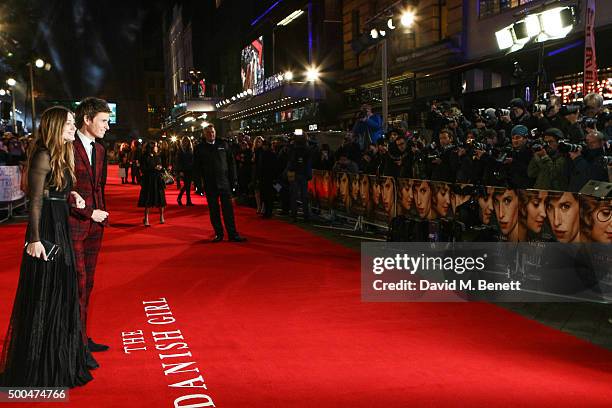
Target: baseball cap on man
520	130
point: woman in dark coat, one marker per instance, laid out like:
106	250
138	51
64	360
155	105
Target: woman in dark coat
152	192
184	168
124	162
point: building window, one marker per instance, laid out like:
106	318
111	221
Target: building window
491	7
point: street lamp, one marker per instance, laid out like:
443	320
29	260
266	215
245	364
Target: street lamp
312	74
11	82
38	63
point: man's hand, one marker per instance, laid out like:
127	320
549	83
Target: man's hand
461	152
37	250
99	215
479	153
541	153
575	155
506	118
78	200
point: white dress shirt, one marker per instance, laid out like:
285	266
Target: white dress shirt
86	144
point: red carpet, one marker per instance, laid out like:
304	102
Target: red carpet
278	322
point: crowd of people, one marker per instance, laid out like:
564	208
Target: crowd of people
545	145
13	149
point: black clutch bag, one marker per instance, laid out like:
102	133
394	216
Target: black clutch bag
51	249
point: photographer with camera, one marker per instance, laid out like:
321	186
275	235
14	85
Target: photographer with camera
548	166
518	115
368	128
517	164
594	110
569	124
443	158
589	160
398	162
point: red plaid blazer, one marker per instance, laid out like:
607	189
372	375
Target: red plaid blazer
91	190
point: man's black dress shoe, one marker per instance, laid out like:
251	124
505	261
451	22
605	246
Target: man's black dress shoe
93	347
237	238
91	362
217	238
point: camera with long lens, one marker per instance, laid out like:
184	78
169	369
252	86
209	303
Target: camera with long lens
566	147
536	145
502	112
606	160
502	154
588	123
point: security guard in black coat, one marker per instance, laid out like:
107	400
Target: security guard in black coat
214	163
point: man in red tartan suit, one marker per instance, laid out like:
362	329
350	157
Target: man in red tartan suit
87	224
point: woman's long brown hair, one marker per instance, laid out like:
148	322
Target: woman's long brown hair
49	136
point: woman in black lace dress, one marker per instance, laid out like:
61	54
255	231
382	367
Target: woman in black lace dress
44	346
153	188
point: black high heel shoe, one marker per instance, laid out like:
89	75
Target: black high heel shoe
180	203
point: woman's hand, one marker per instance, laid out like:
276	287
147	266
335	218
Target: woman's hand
79	202
37	250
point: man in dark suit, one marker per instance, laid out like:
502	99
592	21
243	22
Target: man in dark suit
87	224
214	163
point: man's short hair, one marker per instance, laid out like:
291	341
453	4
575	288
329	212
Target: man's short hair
594	100
89	107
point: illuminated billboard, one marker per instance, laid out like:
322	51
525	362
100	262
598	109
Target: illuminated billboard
252	65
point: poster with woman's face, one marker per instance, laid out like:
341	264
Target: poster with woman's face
596	220
421	192
364	202
441	199
405	197
356	206
342	202
506	205
533	222
382	195
485	204
563	213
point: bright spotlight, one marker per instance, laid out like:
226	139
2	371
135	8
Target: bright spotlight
249	91
11	82
557	22
390	24
374	33
39	63
312	74
139	140
2	92
407	18
173	138
383	33
288	76
504	38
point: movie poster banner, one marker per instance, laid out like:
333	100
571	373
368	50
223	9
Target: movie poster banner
324	189
382	200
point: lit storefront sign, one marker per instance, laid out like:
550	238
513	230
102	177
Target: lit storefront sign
571	92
